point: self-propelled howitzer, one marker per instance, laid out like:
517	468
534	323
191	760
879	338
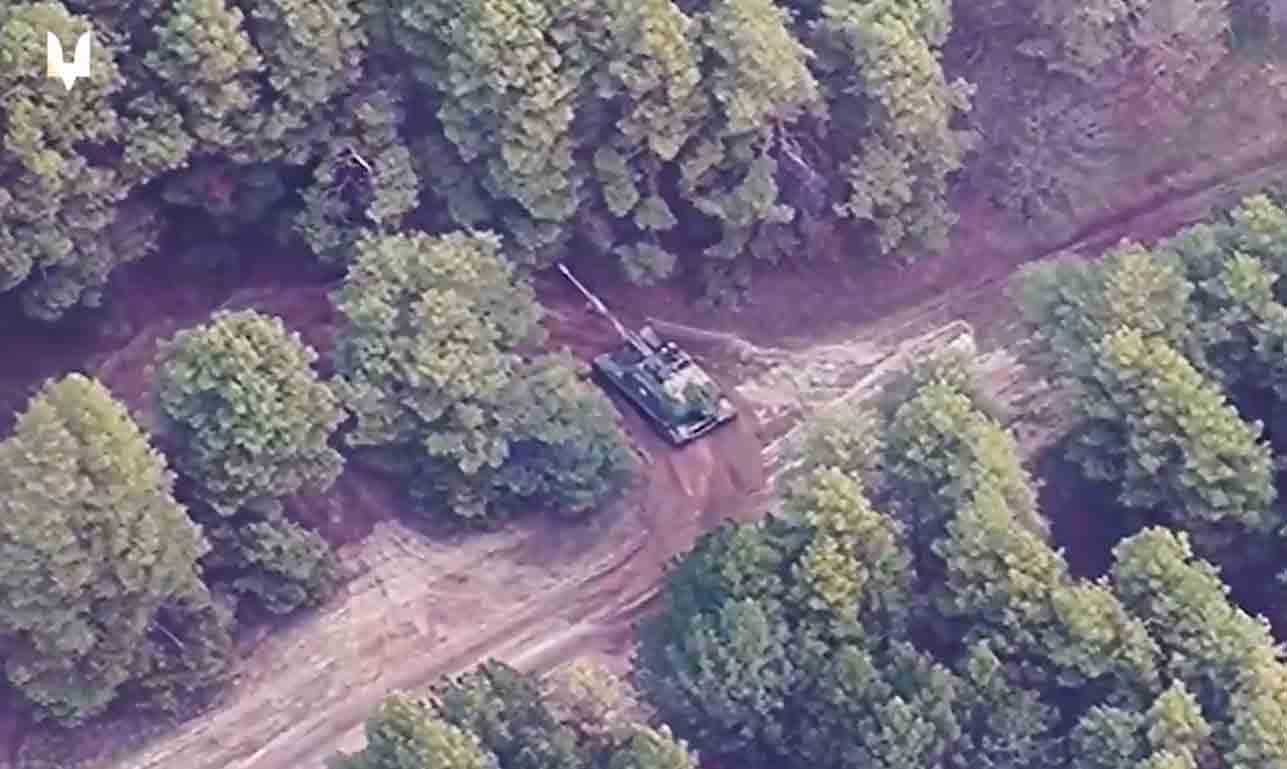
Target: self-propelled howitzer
678	398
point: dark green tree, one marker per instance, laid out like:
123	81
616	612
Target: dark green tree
855	568
366	179
900	708
846	438
425	357
1224	657
405	734
95	554
602	708
507	92
651	748
1072	306
427	361
886	56
1166	435
566	449
758	81
58	234
506	711
205	56
248	418
284	565
1014	591
938	451
725	681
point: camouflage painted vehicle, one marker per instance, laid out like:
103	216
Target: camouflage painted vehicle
678	398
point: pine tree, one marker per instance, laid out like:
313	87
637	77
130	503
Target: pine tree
504	709
898	172
855	567
1226	659
427	362
1072	306
57	241
1165	434
204	54
405	734
93	548
248	417
651	748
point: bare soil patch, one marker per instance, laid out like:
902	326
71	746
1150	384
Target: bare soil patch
541	592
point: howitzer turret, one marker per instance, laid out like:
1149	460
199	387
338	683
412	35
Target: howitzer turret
678	398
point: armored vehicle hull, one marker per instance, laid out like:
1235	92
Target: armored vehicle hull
677	397
643	379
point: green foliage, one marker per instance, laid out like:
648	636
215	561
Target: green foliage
505	710
204	52
541	119
855	566
601	708
999	575
729	564
725	681
1015	592
1177	727
1164	433
761	73
367	177
951	368
653	749
425	356
565	448
426	362
844	437
404	734
897	175
94	552
59	203
938	451
507	94
1072	306
248	417
1009	726
902	709
1223	656
313	55
1108	738
1175	353
653	72
285	566
494	717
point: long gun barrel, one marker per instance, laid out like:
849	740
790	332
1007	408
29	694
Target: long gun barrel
597	304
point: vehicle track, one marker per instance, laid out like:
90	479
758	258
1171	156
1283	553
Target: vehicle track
279	719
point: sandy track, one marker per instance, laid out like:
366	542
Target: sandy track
418	608
536	595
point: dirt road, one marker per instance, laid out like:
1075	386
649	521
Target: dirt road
535	596
419	607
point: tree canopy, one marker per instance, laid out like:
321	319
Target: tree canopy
1173	355
494	717
619	126
96	556
986	649
247	417
428	362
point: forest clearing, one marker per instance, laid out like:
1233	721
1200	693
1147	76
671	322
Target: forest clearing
1064	169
